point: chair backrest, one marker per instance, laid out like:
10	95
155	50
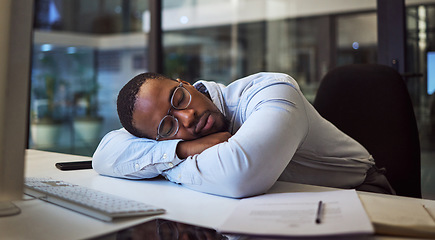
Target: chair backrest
371	103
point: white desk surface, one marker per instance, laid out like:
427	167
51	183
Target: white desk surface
41	220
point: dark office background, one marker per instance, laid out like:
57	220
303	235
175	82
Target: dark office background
85	51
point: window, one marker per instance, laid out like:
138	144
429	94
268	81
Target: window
84	52
420	27
226	40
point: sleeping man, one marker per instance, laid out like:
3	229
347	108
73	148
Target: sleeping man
234	140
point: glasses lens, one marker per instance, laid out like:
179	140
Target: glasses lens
180	98
168	126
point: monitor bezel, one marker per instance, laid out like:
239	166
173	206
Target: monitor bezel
16	22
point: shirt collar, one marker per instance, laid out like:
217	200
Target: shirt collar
214	92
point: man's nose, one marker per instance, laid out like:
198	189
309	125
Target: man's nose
186	117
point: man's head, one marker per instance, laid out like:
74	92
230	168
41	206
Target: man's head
146	99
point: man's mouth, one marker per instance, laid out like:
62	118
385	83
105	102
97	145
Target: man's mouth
204	124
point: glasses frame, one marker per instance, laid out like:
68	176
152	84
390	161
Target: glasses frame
168	115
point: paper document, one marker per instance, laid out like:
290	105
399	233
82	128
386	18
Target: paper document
295	214
400	216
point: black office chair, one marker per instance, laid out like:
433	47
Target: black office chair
370	103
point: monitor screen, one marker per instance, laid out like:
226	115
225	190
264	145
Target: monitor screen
430	73
15	45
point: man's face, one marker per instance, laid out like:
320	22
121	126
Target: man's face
199	119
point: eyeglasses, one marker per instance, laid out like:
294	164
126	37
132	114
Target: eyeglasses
180	100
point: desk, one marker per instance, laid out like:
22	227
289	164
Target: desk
41	220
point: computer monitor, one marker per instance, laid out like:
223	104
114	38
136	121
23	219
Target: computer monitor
16	18
430	73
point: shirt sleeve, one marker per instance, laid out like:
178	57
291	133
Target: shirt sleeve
121	154
274	125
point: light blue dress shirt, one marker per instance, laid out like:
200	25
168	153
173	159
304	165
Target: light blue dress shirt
278	135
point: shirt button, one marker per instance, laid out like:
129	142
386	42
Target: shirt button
137	165
165	156
171	165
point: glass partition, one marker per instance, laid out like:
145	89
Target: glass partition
420	27
226	40
83	53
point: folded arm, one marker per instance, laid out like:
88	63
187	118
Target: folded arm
190	148
121	154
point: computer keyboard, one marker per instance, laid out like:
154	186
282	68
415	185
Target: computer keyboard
85	200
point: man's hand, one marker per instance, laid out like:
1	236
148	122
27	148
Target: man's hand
192	147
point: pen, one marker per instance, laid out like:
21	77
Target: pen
319	212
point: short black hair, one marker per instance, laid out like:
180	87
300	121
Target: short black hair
127	99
